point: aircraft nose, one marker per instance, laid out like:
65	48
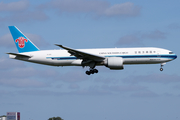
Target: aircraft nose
175	56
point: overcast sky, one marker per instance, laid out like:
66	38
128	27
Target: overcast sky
139	92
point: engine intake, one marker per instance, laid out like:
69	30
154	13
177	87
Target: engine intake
114	63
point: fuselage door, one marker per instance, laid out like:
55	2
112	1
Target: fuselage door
158	53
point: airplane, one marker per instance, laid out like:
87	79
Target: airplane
113	58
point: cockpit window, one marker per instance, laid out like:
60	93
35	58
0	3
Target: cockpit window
171	53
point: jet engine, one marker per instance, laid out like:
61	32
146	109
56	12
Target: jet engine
114	63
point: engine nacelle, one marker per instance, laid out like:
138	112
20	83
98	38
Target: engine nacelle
114	63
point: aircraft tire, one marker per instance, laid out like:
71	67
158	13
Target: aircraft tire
88	72
92	71
95	71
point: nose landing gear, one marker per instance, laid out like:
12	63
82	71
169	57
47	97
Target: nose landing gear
162	64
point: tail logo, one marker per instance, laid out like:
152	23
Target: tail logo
21	42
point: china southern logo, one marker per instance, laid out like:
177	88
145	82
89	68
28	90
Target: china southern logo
21	42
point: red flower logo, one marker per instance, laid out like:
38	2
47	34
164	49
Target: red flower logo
21	42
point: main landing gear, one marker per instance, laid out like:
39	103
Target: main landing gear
92	71
161	69
92	65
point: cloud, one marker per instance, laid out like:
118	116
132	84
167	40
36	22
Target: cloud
13	70
177	87
23	11
138	38
129	40
154	35
91	91
41	93
74	86
119	88
7	40
22	82
152	78
106	80
14	6
174	26
20	12
14	73
18	72
95	7
75	6
18	76
144	94
25	16
124	9
125	90
73	76
21	71
23	77
6	64
5	92
129	90
37	40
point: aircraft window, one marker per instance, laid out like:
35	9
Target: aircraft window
150	51
143	51
154	51
139	51
135	52
171	53
146	51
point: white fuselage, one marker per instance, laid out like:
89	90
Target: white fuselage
146	55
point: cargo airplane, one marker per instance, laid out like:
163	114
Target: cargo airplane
113	58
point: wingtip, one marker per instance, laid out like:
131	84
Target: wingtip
58	45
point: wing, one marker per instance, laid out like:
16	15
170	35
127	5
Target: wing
82	55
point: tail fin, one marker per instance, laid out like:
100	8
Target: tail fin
23	44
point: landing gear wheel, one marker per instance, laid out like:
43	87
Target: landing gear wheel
88	72
162	64
92	71
95	70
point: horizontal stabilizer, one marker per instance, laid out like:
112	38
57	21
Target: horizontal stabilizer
19	55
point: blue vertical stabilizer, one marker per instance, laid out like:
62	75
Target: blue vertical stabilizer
23	44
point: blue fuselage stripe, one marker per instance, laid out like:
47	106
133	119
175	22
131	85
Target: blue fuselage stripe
123	56
147	56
